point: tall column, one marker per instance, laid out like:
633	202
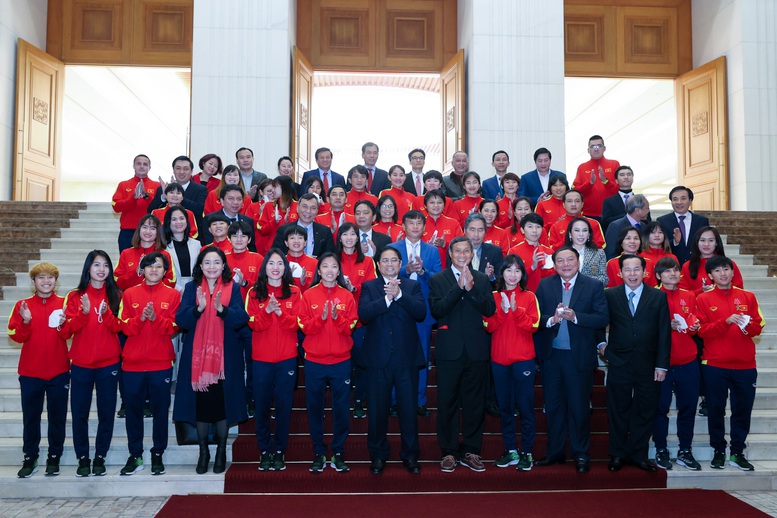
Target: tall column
514	54
743	31
241	79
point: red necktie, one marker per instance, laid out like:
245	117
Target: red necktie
326	182
418	189
567	285
369	178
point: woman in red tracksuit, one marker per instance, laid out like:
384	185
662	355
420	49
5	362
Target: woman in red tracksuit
512	357
147	316
92	311
273	305
148	238
37	323
327	317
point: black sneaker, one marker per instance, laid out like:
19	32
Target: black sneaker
84	467
29	467
157	467
52	466
251	408
718	460
265	461
338	462
685	458
319	464
98	466
358	410
393	411
133	465
738	460
147	413
662	460
122	412
703	408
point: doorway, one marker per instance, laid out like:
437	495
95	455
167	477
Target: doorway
110	114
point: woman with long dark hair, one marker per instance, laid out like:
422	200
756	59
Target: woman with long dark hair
705	244
282	210
148	238
512	360
655	244
92	312
273	307
593	261
211	383
388	221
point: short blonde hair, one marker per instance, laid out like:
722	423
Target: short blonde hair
45	269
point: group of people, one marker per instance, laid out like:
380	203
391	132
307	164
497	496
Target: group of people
227	278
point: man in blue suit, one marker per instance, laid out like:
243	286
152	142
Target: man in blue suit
492	187
534	184
323	171
573	313
378	178
390	308
419	262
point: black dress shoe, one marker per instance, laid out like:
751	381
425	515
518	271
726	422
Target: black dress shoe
616	464
422	411
393	411
412	466
646	466
493	411
376	466
582	465
547	461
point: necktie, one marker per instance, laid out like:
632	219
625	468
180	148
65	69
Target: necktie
637	226
418	189
625	199
682	228
414	252
567	285
326	182
475	261
369	177
631	303
364	237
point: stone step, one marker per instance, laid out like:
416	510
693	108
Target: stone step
105	235
78	255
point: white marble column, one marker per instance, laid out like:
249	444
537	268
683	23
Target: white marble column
514	54
241	79
744	32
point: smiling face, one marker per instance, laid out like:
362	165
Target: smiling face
147	234
461	255
512	276
218	229
387	210
210	167
324	160
397	177
558	189
489	211
521	209
307	211
154	272
579	234
389	262
722	276
625	179
245	161
670	278
286	168
510	187
532	232
370	156
239	242
476	232
472	186
500	163
631	242
182	171
358	181
44	284
328	270
567	264
707	244
178	223
348	239
414	229
460	163
656	238
296	244
632	272
232	177
232	202
543	163
141	165
174	197
99	271
337	198
573	204
212	266
364	217
435	206
681	201
275	269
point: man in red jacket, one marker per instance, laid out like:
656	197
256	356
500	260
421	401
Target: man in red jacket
132	198
596	178
730	318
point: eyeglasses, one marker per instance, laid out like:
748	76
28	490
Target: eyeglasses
386	206
419	157
596	146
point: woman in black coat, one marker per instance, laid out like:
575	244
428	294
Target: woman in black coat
211	382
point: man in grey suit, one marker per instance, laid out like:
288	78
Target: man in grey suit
249	177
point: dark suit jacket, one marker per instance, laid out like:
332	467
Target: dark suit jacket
459	315
530	185
334	179
451	188
613	208
322	237
491	188
207	237
256	179
381	241
642	342
410	185
392	334
669	223
431	261
380	181
590	305
193	199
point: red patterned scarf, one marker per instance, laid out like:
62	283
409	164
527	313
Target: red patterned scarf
208	346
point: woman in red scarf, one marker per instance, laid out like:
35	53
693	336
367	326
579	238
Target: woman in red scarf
211	383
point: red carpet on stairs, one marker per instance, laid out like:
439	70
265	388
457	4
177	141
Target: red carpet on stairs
243	476
686	503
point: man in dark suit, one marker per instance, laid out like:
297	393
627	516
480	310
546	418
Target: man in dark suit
492	186
320	238
249	177
390	307
681	225
453	184
573	312
414	179
614	207
637	352
323	172
487	258
194	194
378	178
372	242
419	262
459	298
534	184
637	212
231	202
